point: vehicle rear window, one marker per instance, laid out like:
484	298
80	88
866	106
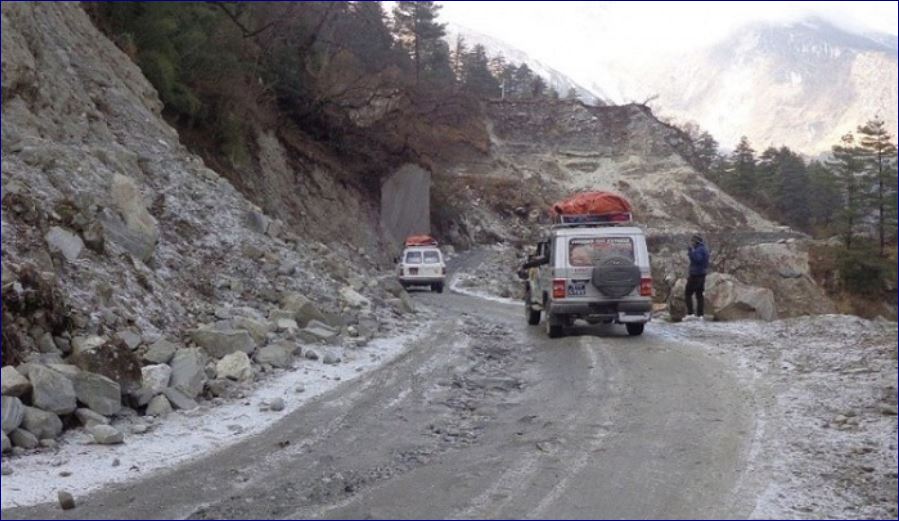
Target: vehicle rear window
432	257
585	252
413	257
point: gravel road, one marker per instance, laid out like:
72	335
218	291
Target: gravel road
486	417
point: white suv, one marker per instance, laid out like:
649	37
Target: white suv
599	273
422	266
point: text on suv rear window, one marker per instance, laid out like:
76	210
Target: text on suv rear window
586	251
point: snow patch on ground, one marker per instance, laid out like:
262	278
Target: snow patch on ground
465	284
184	436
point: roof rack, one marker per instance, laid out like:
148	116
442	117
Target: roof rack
592	220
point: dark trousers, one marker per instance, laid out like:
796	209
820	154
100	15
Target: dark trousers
695	285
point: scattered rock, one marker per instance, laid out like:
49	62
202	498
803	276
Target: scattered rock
7	444
302	308
66	501
140	428
288	325
159	406
161	352
129	338
88	417
51	391
179	400
311	354
188	371
221	343
46	344
114	361
276	404
131	226
86	343
276	355
221	387
106	434
7	469
156	377
68	370
64	242
48	443
235	366
331	358
354	298
258	222
42	424
258	329
24	439
320	331
888	410
99	393
12	382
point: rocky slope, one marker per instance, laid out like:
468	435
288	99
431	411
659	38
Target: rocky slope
136	279
543	150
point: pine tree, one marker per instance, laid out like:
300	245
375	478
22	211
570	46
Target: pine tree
571	94
880	154
553	94
848	167
823	194
521	82
767	172
418	30
476	76
538	87
706	152
741	178
457	56
791	192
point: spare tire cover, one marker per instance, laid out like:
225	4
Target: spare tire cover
615	276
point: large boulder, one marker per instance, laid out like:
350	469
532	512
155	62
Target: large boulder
113	360
12	382
156	377
235	366
24	439
258	329
161	352
276	355
302	308
726	298
7	444
130	225
106	434
317	331
188	372
13	412
65	242
159	406
51	391
99	393
218	343
179	400
42	424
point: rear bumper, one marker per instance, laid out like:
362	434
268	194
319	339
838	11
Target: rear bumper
416	281
635	310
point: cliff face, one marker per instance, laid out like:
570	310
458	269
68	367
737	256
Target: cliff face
102	199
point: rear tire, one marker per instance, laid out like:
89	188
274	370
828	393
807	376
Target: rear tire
635	329
532	315
437	287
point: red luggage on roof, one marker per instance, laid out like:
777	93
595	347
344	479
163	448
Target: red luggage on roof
592	203
420	240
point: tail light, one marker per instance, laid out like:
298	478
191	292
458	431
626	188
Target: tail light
443	270
558	288
646	287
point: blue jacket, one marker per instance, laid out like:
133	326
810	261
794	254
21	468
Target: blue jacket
699	259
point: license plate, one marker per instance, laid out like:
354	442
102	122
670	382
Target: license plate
577	289
413	271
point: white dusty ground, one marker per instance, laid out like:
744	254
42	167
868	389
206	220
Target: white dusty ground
80	467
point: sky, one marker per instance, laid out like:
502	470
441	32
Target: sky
571	35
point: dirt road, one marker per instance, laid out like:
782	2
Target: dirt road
485	418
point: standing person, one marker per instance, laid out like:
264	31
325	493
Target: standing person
699	265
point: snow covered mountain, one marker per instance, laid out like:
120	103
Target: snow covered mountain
553	77
802	84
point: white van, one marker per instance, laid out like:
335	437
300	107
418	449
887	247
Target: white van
422	266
